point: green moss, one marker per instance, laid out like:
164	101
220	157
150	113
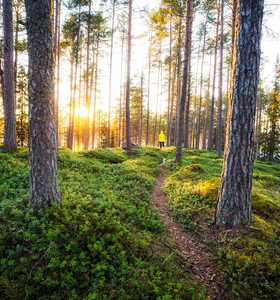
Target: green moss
265	206
250	257
105	155
104	241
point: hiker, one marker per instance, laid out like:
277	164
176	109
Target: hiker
161	139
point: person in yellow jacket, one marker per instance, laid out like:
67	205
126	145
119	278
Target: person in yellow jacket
161	139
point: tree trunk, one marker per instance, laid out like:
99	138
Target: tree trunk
169	84
179	64
16	51
58	76
95	94
88	99
195	100
187	114
184	85
207	108
220	103
141	111
69	134
42	133
10	142
121	93
92	80
172	103
148	96
210	138
157	101
79	102
201	86
110	74
234	204
127	102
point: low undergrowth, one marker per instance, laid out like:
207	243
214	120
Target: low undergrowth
249	258
104	241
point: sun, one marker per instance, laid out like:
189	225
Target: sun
82	112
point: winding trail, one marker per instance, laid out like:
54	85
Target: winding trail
191	249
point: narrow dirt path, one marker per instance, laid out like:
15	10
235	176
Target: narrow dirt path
192	250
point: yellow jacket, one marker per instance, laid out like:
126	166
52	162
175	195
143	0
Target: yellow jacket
161	137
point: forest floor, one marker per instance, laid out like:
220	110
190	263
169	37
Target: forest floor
193	251
136	226
239	263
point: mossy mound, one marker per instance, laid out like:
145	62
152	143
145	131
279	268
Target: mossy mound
106	155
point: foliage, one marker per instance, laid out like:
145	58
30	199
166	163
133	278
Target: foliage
270	138
104	241
250	257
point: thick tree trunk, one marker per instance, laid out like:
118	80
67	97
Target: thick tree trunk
10	142
234	204
184	85
42	133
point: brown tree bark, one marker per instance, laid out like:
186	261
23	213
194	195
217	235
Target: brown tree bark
210	137
88	99
95	94
141	111
187	113
148	96
10	142
206	125
69	132
220	102
169	84
179	67
197	140
42	133
110	74
127	102
184	85
121	91
234	203
58	76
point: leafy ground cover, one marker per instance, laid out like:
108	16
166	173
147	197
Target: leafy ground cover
249	258
104	241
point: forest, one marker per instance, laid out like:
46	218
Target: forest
139	149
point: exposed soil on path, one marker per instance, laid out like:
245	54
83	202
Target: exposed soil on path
192	250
